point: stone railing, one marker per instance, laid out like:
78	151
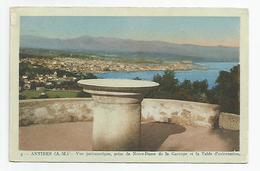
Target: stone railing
229	121
181	112
81	109
55	110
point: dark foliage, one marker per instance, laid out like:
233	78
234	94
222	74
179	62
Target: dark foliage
171	88
226	92
83	94
21	97
137	78
168	86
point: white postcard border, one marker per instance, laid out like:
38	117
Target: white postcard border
94	156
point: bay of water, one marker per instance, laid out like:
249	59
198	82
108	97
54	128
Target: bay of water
211	74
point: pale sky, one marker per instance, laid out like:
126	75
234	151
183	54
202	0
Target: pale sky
207	31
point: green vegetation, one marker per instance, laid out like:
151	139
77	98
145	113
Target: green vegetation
225	93
82	94
34	94
171	88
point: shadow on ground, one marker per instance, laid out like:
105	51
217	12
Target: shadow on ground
231	137
77	136
154	134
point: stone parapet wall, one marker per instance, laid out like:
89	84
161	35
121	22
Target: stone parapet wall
184	113
229	121
55	110
81	109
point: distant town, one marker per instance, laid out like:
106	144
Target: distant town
99	65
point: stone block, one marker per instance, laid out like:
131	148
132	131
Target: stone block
229	121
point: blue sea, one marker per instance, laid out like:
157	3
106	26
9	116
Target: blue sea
211	74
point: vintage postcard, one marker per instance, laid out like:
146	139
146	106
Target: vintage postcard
129	85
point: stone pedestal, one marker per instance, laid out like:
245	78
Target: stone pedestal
117	114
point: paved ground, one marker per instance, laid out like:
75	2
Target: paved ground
76	136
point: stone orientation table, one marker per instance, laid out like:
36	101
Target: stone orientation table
117	112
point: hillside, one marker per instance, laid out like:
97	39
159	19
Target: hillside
115	47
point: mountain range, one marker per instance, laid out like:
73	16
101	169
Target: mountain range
132	48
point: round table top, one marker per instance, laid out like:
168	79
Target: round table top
117	84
